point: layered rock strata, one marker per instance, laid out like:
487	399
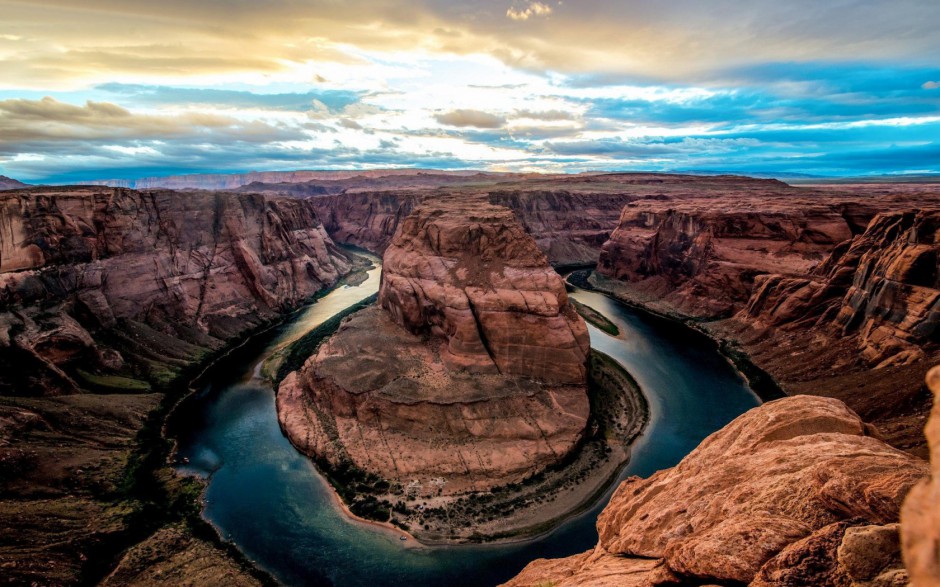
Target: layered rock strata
471	373
799	491
702	257
817	288
568	226
100	281
106	296
872	304
881	288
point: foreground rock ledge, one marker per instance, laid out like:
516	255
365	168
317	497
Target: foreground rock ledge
798	491
471	375
921	515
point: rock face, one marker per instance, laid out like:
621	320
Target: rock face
569	225
141	283
470	375
881	288
367	220
795	492
703	257
471	276
816	287
920	518
106	295
873	303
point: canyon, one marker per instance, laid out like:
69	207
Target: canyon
742	259
472	373
470	316
817	288
109	298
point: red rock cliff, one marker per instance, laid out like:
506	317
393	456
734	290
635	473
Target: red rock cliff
472	372
920	518
471	275
795	492
701	257
94	277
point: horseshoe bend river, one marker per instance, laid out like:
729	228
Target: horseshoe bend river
269	500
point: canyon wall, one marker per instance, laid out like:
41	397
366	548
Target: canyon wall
702	257
799	491
472	372
817	288
568	226
862	326
367	220
106	297
101	281
881	288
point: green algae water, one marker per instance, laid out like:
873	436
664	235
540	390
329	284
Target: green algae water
270	501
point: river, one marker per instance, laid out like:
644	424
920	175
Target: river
271	502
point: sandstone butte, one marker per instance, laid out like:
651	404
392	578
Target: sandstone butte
797	492
471	370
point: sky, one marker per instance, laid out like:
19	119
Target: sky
104	89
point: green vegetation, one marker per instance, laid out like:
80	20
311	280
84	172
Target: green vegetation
113	383
596	318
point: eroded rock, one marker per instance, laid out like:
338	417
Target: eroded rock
920	519
795	492
471	374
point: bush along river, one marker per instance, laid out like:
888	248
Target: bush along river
272	503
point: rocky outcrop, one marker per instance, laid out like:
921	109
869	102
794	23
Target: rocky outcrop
882	288
570	226
703	257
471	374
367	220
799	491
920	518
96	282
471	276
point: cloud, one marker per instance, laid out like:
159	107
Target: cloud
678	41
546	115
349	123
474	118
931	85
532	9
48	125
334	100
